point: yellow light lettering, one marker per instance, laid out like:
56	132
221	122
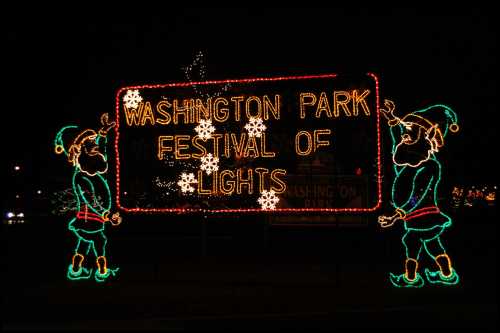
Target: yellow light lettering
201	190
274	108
263	152
259	107
262	173
147	114
182	110
311	101
161	147
218	110
161	109
309	139
317	141
338	102
215	177
251	148
133	116
237	106
216	138
224	183
356	100
178	146
275	177
202	109
200	147
227	152
240	181
323	105
238	146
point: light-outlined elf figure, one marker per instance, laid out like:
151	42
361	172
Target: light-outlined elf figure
416	139
86	152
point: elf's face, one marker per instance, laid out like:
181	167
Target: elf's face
91	160
414	148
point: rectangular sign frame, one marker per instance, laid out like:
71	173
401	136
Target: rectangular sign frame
245	210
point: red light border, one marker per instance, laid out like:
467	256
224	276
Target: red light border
246	210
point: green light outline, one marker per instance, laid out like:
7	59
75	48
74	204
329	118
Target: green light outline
434	277
79	178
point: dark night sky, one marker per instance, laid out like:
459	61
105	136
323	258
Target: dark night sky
64	69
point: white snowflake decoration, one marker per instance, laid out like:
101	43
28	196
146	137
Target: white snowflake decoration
185	182
132	99
268	200
209	163
205	129
255	127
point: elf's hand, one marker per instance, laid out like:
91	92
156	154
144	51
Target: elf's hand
116	219
388	112
387	221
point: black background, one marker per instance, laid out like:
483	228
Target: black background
65	65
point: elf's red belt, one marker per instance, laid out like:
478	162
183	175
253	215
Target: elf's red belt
422	212
85	215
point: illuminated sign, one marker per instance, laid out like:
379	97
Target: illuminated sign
250	146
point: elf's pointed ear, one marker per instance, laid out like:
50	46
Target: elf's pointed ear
434	134
430	132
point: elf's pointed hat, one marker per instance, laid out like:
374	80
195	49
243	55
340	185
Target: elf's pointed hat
437	120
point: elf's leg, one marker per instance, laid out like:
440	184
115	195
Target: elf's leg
446	274
99	246
76	271
411	278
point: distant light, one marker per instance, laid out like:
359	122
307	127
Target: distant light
17	196
17	168
39	192
20	215
10	221
10	215
125	193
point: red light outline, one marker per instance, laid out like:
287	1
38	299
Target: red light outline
89	216
422	212
245	210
